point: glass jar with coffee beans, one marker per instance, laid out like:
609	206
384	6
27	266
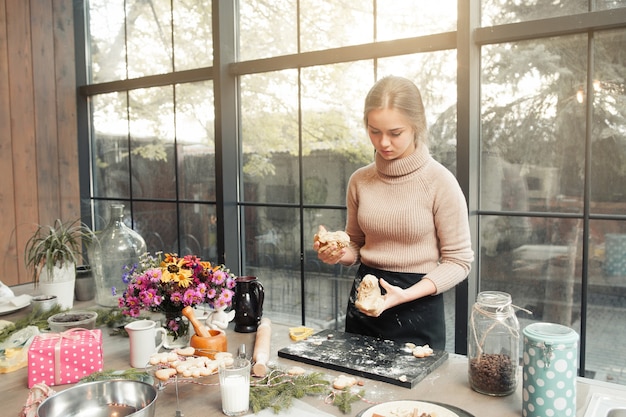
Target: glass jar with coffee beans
493	344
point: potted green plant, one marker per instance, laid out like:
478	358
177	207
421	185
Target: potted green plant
52	254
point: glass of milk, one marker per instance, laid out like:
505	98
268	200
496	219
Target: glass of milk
235	387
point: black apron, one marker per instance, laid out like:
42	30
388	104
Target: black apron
421	321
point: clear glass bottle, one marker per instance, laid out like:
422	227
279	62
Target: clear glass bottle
117	247
493	344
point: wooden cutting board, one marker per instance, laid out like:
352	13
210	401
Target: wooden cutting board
369	357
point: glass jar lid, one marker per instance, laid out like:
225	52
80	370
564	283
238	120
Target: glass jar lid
550	333
494	299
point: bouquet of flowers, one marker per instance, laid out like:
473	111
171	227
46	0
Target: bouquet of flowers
169	283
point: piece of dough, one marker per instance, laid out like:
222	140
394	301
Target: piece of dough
324	237
369	299
344	381
295	371
422	351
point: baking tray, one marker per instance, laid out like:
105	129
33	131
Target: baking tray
366	356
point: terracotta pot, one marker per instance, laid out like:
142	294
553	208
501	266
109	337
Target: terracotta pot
209	346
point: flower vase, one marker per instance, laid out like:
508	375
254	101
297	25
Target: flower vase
177	327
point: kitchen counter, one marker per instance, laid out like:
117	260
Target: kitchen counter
447	384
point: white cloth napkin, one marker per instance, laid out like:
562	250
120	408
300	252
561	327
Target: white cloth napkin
20	300
6	294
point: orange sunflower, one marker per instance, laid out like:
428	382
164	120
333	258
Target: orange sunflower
173	271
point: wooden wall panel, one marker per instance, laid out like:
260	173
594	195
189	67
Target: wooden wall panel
65	70
44	110
8	244
37	124
21	92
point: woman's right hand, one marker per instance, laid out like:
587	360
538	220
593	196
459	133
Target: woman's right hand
329	253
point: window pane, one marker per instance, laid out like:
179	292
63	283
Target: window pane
606	300
152	143
533	126
327	286
398	19
198	231
149	32
272	253
102	213
435	75
269	108
334	139
326	24
498	12
193	39
609	4
110	155
195	140
107	40
157	224
541	270
608	150
267	28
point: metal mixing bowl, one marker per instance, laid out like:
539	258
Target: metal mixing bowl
119	398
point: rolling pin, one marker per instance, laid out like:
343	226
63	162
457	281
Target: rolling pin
200	328
261	353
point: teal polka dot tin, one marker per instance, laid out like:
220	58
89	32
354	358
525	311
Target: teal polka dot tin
549	370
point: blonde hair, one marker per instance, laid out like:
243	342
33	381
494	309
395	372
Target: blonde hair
401	94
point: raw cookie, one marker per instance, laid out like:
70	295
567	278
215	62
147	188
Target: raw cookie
422	351
295	371
344	381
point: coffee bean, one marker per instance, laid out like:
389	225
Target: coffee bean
493	374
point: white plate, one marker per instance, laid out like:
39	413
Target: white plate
18	303
405	409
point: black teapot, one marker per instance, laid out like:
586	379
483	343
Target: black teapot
248	304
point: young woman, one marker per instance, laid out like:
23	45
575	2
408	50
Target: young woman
407	222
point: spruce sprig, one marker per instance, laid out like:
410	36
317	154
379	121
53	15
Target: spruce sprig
35	318
278	389
344	399
131	374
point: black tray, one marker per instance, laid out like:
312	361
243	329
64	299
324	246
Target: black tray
369	357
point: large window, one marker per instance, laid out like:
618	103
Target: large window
540	160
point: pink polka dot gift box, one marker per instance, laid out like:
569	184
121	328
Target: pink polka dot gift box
64	358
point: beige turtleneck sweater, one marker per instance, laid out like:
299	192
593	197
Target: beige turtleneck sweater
410	215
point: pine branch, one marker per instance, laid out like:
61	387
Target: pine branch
132	374
344	399
277	390
35	318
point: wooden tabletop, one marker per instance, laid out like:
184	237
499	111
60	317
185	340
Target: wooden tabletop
447	384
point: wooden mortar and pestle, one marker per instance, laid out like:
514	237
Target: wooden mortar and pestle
206	342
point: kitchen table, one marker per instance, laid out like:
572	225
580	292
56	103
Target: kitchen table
447	384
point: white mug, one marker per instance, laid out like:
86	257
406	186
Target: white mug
143	344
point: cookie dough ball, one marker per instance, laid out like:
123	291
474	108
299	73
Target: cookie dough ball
324	237
369	299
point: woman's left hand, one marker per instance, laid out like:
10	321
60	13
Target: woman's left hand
394	296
